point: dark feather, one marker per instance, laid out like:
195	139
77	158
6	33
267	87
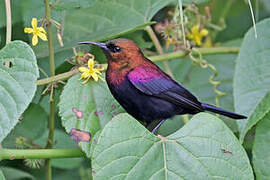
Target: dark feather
154	82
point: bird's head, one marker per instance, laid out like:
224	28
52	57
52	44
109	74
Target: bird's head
119	51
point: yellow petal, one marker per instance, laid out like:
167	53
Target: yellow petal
204	32
34	23
101	78
195	29
96	71
42	36
83	69
90	63
41	29
95	77
28	30
197	40
34	40
85	74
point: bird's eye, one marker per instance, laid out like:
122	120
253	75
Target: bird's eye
113	48
117	49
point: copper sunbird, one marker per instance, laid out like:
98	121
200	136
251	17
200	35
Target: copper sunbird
144	90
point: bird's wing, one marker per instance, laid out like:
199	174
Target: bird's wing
152	81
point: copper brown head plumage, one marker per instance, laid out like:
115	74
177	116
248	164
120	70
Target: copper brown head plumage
143	89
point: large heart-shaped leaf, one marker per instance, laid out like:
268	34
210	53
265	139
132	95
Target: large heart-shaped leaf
17	83
261	149
204	148
251	79
77	106
87	107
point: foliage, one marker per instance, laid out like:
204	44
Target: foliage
226	66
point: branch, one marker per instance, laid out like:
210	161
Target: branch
39	153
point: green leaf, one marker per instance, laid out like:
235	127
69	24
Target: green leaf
251	79
258	114
93	100
32	126
78	97
15	174
105	19
126	150
2	177
261	149
18	83
71	4
107	107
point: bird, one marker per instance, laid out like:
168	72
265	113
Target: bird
145	91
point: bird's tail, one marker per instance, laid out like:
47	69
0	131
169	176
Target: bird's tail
223	112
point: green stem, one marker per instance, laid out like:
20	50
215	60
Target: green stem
39	153
158	47
9	24
48	167
50	140
162	57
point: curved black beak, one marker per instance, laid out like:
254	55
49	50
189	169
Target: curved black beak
99	44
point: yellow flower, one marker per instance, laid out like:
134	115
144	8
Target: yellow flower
37	32
90	71
196	34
